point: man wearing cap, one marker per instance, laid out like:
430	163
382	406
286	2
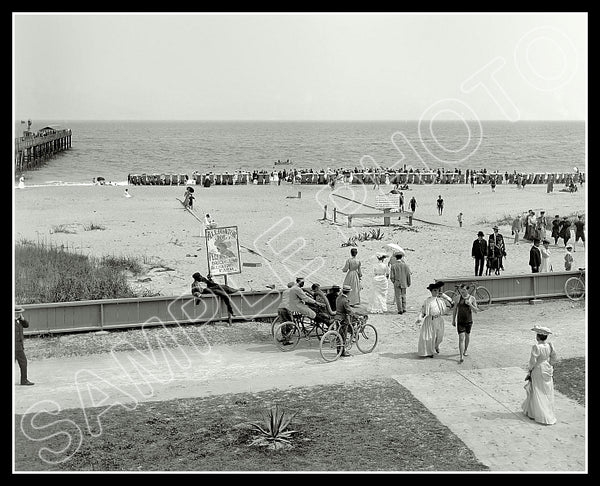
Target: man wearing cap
400	277
20	323
299	298
535	256
479	252
496	250
343	311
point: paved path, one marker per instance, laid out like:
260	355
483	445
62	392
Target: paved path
483	408
479	400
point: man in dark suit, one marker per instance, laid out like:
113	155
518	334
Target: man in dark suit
496	250
535	256
343	313
400	277
479	252
20	323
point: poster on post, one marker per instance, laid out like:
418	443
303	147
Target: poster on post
223	250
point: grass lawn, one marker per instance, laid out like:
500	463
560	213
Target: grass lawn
363	426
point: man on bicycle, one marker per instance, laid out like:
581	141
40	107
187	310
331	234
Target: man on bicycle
343	313
299	298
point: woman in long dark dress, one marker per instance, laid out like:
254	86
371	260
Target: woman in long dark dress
353	276
556	229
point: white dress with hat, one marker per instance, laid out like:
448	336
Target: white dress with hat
539	403
378	304
546	265
432	329
352	278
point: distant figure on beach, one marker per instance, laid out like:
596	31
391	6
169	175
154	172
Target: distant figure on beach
539	403
440	205
413	204
353	276
460	219
565	230
21	182
188	198
127	193
517	226
556	229
550	186
209	222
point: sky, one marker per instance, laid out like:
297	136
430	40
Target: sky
300	66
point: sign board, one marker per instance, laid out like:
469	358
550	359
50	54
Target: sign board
223	250
387	201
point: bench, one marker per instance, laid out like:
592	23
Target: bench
385	214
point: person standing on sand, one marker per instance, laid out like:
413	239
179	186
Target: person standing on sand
353	276
432	327
479	251
378	304
568	257
440	205
413	204
460	219
516	228
539	403
400	278
579	231
546	266
556	229
565	230
535	256
462	319
21	182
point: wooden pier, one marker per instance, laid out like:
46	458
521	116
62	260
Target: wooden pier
34	148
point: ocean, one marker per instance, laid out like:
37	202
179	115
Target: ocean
114	149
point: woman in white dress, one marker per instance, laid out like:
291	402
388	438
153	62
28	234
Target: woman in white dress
21	182
432	328
545	251
381	273
539	404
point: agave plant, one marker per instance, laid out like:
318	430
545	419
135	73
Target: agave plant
273	430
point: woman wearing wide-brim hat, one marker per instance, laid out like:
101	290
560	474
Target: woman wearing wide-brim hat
432	327
539	403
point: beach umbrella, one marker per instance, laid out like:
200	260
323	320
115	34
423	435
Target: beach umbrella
191	189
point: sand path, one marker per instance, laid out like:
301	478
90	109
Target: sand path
478	400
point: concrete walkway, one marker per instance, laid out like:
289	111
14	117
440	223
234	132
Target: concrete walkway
483	408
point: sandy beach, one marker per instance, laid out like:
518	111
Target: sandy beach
288	232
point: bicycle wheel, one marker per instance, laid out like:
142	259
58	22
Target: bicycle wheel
575	288
331	346
451	293
366	338
287	336
274	324
483	297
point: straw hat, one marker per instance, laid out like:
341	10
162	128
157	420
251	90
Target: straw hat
18	310
346	288
380	255
541	330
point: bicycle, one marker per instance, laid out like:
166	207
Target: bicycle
483	297
359	332
575	286
287	334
